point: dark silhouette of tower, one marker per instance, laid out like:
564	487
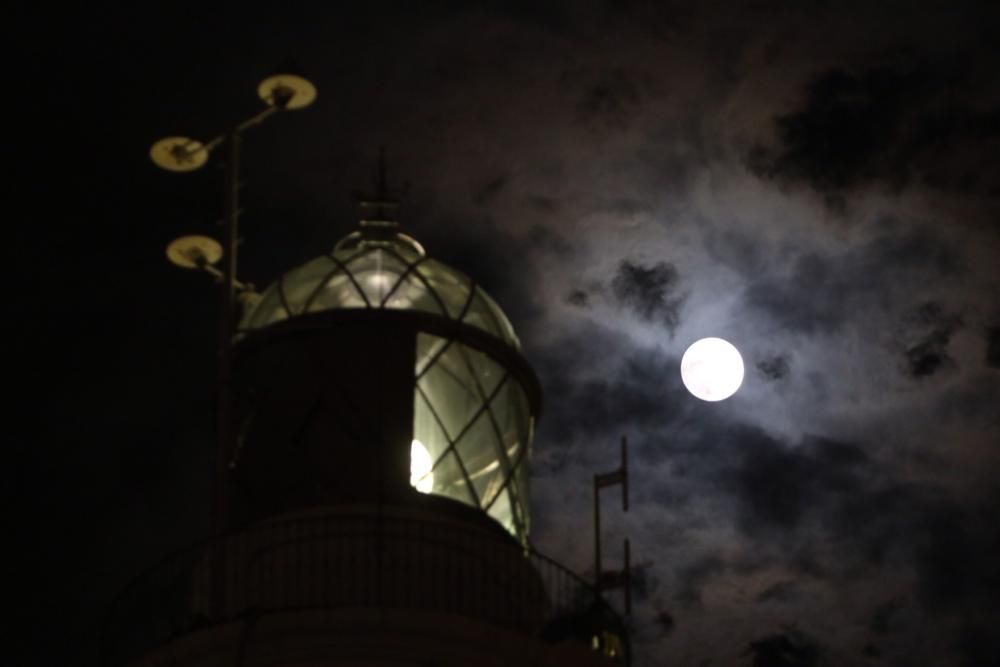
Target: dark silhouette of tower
376	505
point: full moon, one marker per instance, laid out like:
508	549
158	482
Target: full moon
712	369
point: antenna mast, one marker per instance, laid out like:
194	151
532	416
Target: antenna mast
613	578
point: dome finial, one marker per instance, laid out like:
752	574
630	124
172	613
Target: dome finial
379	211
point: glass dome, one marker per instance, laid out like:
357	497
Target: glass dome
379	270
473	419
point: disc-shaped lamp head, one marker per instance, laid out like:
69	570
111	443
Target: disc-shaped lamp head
194	252
287	91
178	154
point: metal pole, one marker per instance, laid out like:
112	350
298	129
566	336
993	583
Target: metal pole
597	536
628	577
624	470
220	500
224	426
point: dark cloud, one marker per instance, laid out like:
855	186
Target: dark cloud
611	103
979	643
934	314
788	649
948	542
665	621
578	298
644	580
626	207
774	368
454	239
542	204
845	131
890	125
871	651
782	591
633	392
882	616
993	347
649	291
955	547
548	240
557	17
907	247
973	401
821	293
488	193
777	484
929	354
736	248
810	299
692	578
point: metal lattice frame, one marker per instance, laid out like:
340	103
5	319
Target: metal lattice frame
405	279
510	471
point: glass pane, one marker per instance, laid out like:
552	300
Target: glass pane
428	348
519	492
426	428
338	292
478	451
376	272
268	311
451	286
480	315
516	416
451	390
300	284
485	372
501	511
449	480
511	412
504	328
412	293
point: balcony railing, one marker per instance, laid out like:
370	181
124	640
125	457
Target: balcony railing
337	561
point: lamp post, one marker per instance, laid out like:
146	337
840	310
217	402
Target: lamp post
280	92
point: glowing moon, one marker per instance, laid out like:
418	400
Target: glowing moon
712	369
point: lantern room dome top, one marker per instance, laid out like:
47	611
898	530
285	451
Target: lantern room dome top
377	267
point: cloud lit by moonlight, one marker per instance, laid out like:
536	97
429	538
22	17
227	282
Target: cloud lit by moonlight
712	369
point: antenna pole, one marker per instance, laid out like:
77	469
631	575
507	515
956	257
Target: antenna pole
604	579
597	534
383	187
624	474
628	578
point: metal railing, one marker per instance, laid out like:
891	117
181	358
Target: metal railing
337	561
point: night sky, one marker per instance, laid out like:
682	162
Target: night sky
817	182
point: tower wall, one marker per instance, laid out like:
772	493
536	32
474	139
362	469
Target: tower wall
365	638
324	416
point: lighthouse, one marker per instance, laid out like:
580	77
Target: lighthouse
371	503
375	493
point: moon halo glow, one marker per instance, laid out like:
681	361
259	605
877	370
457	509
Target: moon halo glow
712	369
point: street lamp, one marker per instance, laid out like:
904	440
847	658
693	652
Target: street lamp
279	92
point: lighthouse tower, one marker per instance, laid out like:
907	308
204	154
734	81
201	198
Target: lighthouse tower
376	500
